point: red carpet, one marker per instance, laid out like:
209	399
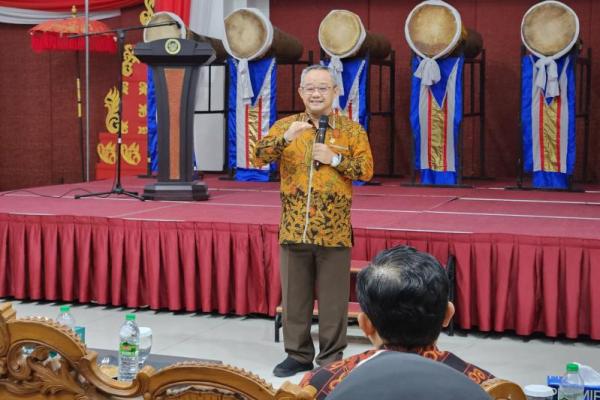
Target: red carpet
526	260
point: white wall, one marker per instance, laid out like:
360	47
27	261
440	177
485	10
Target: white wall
206	18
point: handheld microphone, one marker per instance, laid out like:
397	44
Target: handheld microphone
323	122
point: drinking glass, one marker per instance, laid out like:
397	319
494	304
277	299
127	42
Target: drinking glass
145	344
108	365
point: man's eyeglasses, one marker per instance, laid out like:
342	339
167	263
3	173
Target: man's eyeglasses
320	89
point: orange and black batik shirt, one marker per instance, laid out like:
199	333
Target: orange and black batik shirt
316	202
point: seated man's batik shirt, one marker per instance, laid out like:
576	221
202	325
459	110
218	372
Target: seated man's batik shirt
326	378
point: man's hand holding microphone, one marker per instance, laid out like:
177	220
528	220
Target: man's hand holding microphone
322	154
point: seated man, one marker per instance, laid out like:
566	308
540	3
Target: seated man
403	295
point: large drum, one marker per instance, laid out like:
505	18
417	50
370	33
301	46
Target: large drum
178	30
434	29
250	35
550	29
342	34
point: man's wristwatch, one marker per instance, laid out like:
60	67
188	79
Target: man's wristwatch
336	160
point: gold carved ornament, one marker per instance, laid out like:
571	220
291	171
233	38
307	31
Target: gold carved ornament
128	60
142	88
131	153
142	110
111	103
148	13
125	88
107	152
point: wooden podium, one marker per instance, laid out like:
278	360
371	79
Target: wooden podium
175	64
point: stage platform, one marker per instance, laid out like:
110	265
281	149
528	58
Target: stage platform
527	261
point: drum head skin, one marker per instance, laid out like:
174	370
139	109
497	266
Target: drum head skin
167	31
247	34
340	33
550	29
433	29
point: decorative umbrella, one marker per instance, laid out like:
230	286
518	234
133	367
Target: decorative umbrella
57	35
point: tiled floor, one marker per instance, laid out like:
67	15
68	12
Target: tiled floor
247	342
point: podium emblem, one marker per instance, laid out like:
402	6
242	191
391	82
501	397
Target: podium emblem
172	46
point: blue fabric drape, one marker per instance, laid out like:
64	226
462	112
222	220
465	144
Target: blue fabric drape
258	74
545	179
438	91
151	123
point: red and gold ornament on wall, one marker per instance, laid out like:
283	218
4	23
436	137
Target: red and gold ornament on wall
134	112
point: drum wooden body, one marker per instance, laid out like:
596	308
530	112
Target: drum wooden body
550	29
343	35
179	31
434	29
250	35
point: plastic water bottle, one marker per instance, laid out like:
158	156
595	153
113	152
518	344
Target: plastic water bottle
66	318
129	342
571	384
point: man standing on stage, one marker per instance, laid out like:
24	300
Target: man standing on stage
315	233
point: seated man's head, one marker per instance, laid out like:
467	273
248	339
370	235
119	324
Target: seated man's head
403	294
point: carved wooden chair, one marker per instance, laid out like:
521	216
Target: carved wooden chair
73	374
500	389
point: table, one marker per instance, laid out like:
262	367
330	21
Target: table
157	361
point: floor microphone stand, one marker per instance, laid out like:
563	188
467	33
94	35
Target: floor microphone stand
117	186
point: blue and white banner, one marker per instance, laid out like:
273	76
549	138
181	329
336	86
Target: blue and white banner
436	109
548	120
351	76
251	112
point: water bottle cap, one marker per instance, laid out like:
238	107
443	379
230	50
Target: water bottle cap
130	317
65	309
539	391
572	367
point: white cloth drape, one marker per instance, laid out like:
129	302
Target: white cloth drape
244	82
547	76
337	67
428	72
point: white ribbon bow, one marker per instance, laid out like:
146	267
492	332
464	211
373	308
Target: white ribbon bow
336	65
547	68
428	71
244	77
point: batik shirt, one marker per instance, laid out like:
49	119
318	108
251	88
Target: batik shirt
316	202
326	378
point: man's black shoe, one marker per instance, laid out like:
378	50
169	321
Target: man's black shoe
290	367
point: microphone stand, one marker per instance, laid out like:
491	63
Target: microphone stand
117	186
